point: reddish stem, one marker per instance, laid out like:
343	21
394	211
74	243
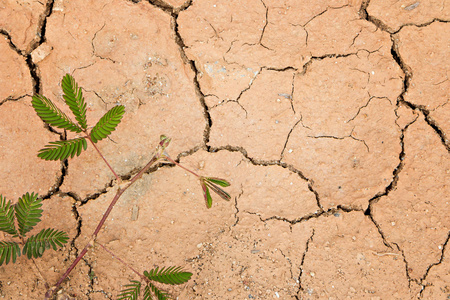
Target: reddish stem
119	193
171	160
122	261
104	159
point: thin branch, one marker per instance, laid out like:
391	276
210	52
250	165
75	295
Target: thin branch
90	244
101	155
172	161
122	261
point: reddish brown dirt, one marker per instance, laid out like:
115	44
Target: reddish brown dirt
329	118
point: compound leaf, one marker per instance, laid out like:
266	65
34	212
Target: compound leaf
8	251
170	275
61	150
45	239
147	293
28	212
131	291
52	115
74	99
7	217
107	123
160	295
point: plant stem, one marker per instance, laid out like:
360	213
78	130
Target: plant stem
104	159
122	261
90	244
171	160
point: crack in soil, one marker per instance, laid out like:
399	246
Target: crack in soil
266	22
174	13
407	268
395	177
299	280
198	91
406	69
441	259
236	206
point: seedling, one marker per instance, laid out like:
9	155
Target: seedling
27	210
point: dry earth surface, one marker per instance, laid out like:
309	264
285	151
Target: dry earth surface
331	120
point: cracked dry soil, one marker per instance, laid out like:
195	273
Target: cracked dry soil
330	119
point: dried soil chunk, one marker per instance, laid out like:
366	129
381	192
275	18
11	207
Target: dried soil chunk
118	61
340	31
263	113
255	260
439	279
175	3
271	191
21	19
394	13
209	29
425	50
346	258
14	76
230	43
415	214
22	135
348	139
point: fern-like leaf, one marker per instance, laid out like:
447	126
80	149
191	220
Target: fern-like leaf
28	212
171	275
74	99
147	293
107	123
45	239
52	115
131	291
7	217
8	250
160	295
61	150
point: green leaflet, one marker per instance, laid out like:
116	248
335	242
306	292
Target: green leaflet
61	150
7	217
161	295
131	291
74	99
107	123
213	183
28	212
207	195
170	275
52	115
8	251
45	239
219	181
224	195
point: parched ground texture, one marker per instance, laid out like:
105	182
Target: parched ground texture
329	118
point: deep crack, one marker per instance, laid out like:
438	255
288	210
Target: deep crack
179	41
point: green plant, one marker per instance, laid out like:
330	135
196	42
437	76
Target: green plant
28	214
